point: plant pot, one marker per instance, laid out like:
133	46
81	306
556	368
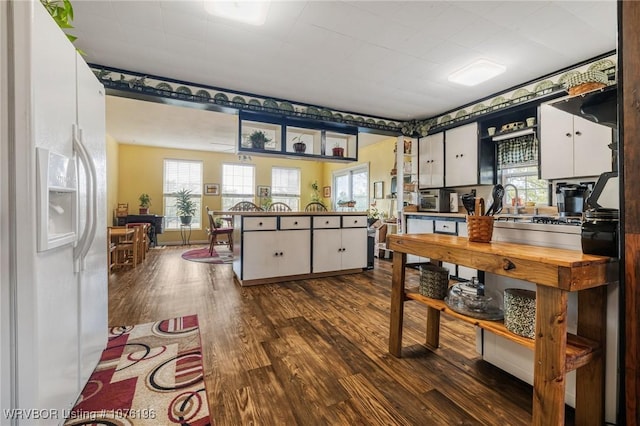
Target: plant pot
144	210
185	220
257	144
300	147
338	151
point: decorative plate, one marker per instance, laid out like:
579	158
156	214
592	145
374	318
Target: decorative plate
255	103
221	97
381	123
313	111
325	113
164	86
370	121
445	118
270	103
286	106
520	93
348	117
601	65
478	107
183	90
337	116
203	94
566	76
461	113
359	119
498	100
238	100
543	85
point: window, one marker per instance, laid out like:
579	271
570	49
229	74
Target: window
285	186
352	185
179	174
238	184
518	165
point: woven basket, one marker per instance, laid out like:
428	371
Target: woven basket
520	312
480	228
434	281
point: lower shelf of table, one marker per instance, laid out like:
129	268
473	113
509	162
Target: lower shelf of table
580	351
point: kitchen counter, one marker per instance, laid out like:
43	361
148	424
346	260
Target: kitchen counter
266	213
556	272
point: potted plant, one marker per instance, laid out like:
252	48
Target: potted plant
298	145
145	202
258	138
337	151
372	215
185	206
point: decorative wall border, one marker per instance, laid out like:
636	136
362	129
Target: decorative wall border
161	87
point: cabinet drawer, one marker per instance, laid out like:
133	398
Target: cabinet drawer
445	227
295	222
320	222
354	221
259	224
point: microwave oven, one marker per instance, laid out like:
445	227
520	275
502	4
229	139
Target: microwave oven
434	200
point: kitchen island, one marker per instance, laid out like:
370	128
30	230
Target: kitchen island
283	246
556	272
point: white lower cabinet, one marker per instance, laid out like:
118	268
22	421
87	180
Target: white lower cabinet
276	253
339	248
463	271
418	225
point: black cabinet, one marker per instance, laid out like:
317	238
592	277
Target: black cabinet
155	221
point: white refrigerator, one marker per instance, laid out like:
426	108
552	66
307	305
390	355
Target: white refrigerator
53	277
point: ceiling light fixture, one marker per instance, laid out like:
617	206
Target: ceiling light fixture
477	72
249	12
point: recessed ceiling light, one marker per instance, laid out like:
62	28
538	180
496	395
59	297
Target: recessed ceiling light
477	72
250	12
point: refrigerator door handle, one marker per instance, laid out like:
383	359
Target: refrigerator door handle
89	231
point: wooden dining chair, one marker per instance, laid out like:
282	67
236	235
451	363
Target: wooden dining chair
143	240
214	230
245	206
279	207
315	206
127	248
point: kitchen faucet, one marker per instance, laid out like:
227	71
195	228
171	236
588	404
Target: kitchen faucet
516	208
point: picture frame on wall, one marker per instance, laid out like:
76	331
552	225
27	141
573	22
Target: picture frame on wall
378	189
264	191
326	192
211	189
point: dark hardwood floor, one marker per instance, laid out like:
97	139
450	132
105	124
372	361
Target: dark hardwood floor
314	352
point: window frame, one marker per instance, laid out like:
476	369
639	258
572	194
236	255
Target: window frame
285	197
350	171
170	219
237	197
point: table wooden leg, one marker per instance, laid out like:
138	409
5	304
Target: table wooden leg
590	379
433	328
397	303
550	353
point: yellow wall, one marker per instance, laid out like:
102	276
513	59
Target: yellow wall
381	158
112	178
140	169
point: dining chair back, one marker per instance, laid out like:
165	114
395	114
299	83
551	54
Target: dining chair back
279	207
315	206
245	206
214	230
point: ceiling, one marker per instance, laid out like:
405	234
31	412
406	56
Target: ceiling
383	58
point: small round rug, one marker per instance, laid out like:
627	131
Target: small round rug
220	255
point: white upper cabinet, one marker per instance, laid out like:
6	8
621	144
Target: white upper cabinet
571	146
431	161
461	158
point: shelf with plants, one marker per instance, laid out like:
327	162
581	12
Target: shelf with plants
286	136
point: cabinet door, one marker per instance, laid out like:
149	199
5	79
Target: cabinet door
259	259
431	161
556	143
327	253
418	226
591	153
354	248
295	247
461	158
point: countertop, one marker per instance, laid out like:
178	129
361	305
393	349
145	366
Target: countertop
263	213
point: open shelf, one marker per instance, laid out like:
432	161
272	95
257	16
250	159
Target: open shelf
580	351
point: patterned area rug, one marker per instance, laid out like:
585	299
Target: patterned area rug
149	374
220	255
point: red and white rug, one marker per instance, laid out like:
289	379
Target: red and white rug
149	374
220	255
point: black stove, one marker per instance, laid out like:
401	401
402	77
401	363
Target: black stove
558	220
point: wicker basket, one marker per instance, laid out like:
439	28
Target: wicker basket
480	228
434	281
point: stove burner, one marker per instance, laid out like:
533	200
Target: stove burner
557	220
